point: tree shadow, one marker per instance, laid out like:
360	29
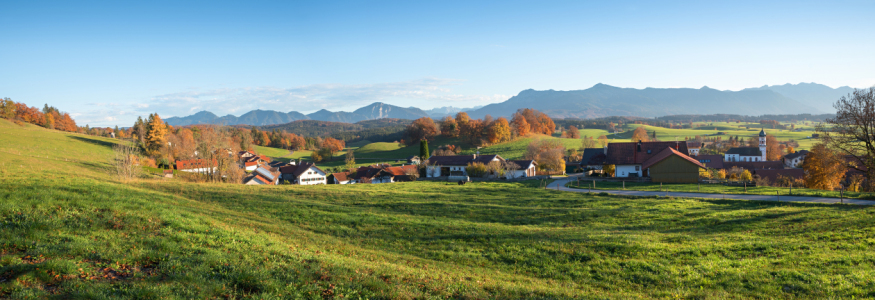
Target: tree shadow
93	141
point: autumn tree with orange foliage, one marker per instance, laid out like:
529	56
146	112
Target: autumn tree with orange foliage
333	145
50	117
571	133
539	123
499	131
640	134
155	132
549	153
449	127
824	168
773	151
519	125
30	115
421	129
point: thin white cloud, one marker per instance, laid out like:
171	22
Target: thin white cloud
424	93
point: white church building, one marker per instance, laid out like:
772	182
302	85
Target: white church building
748	153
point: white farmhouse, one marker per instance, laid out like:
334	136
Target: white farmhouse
527	168
303	174
794	160
456	165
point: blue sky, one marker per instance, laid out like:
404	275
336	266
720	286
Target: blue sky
107	62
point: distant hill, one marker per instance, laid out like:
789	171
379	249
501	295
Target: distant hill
816	95
440	112
340	116
377	130
604	100
380	110
259	117
255	118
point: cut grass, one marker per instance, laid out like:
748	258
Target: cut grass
71	231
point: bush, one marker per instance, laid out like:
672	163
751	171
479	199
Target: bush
477	169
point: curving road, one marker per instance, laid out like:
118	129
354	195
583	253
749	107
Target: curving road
559	185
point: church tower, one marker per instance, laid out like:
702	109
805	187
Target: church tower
763	144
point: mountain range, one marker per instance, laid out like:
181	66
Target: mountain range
600	100
440	112
605	100
812	94
259	117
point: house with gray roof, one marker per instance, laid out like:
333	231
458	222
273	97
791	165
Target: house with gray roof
795	159
456	165
748	154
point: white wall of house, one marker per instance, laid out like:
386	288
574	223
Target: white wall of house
529	172
386	179
436	171
694	151
626	170
343	182
794	162
251	168
516	174
736	157
198	170
312	177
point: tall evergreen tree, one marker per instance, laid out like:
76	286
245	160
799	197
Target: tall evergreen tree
423	150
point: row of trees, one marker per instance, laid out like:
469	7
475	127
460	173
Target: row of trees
484	131
49	117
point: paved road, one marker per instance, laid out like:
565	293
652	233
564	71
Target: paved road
560	185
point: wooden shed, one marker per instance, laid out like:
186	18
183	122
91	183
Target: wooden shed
672	166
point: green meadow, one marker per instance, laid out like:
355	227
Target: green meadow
717	188
71	231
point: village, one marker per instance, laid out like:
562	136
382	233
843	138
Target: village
641	161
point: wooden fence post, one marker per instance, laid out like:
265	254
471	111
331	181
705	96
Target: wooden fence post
842	195
624	184
745	187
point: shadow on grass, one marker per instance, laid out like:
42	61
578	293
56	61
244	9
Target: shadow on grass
93	141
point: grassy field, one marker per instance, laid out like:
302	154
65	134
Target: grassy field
516	149
373	148
281	154
69	230
718	189
665	134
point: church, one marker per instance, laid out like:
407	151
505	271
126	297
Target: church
748	153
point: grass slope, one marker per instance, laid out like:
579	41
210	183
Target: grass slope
718	189
372	148
516	149
71	231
